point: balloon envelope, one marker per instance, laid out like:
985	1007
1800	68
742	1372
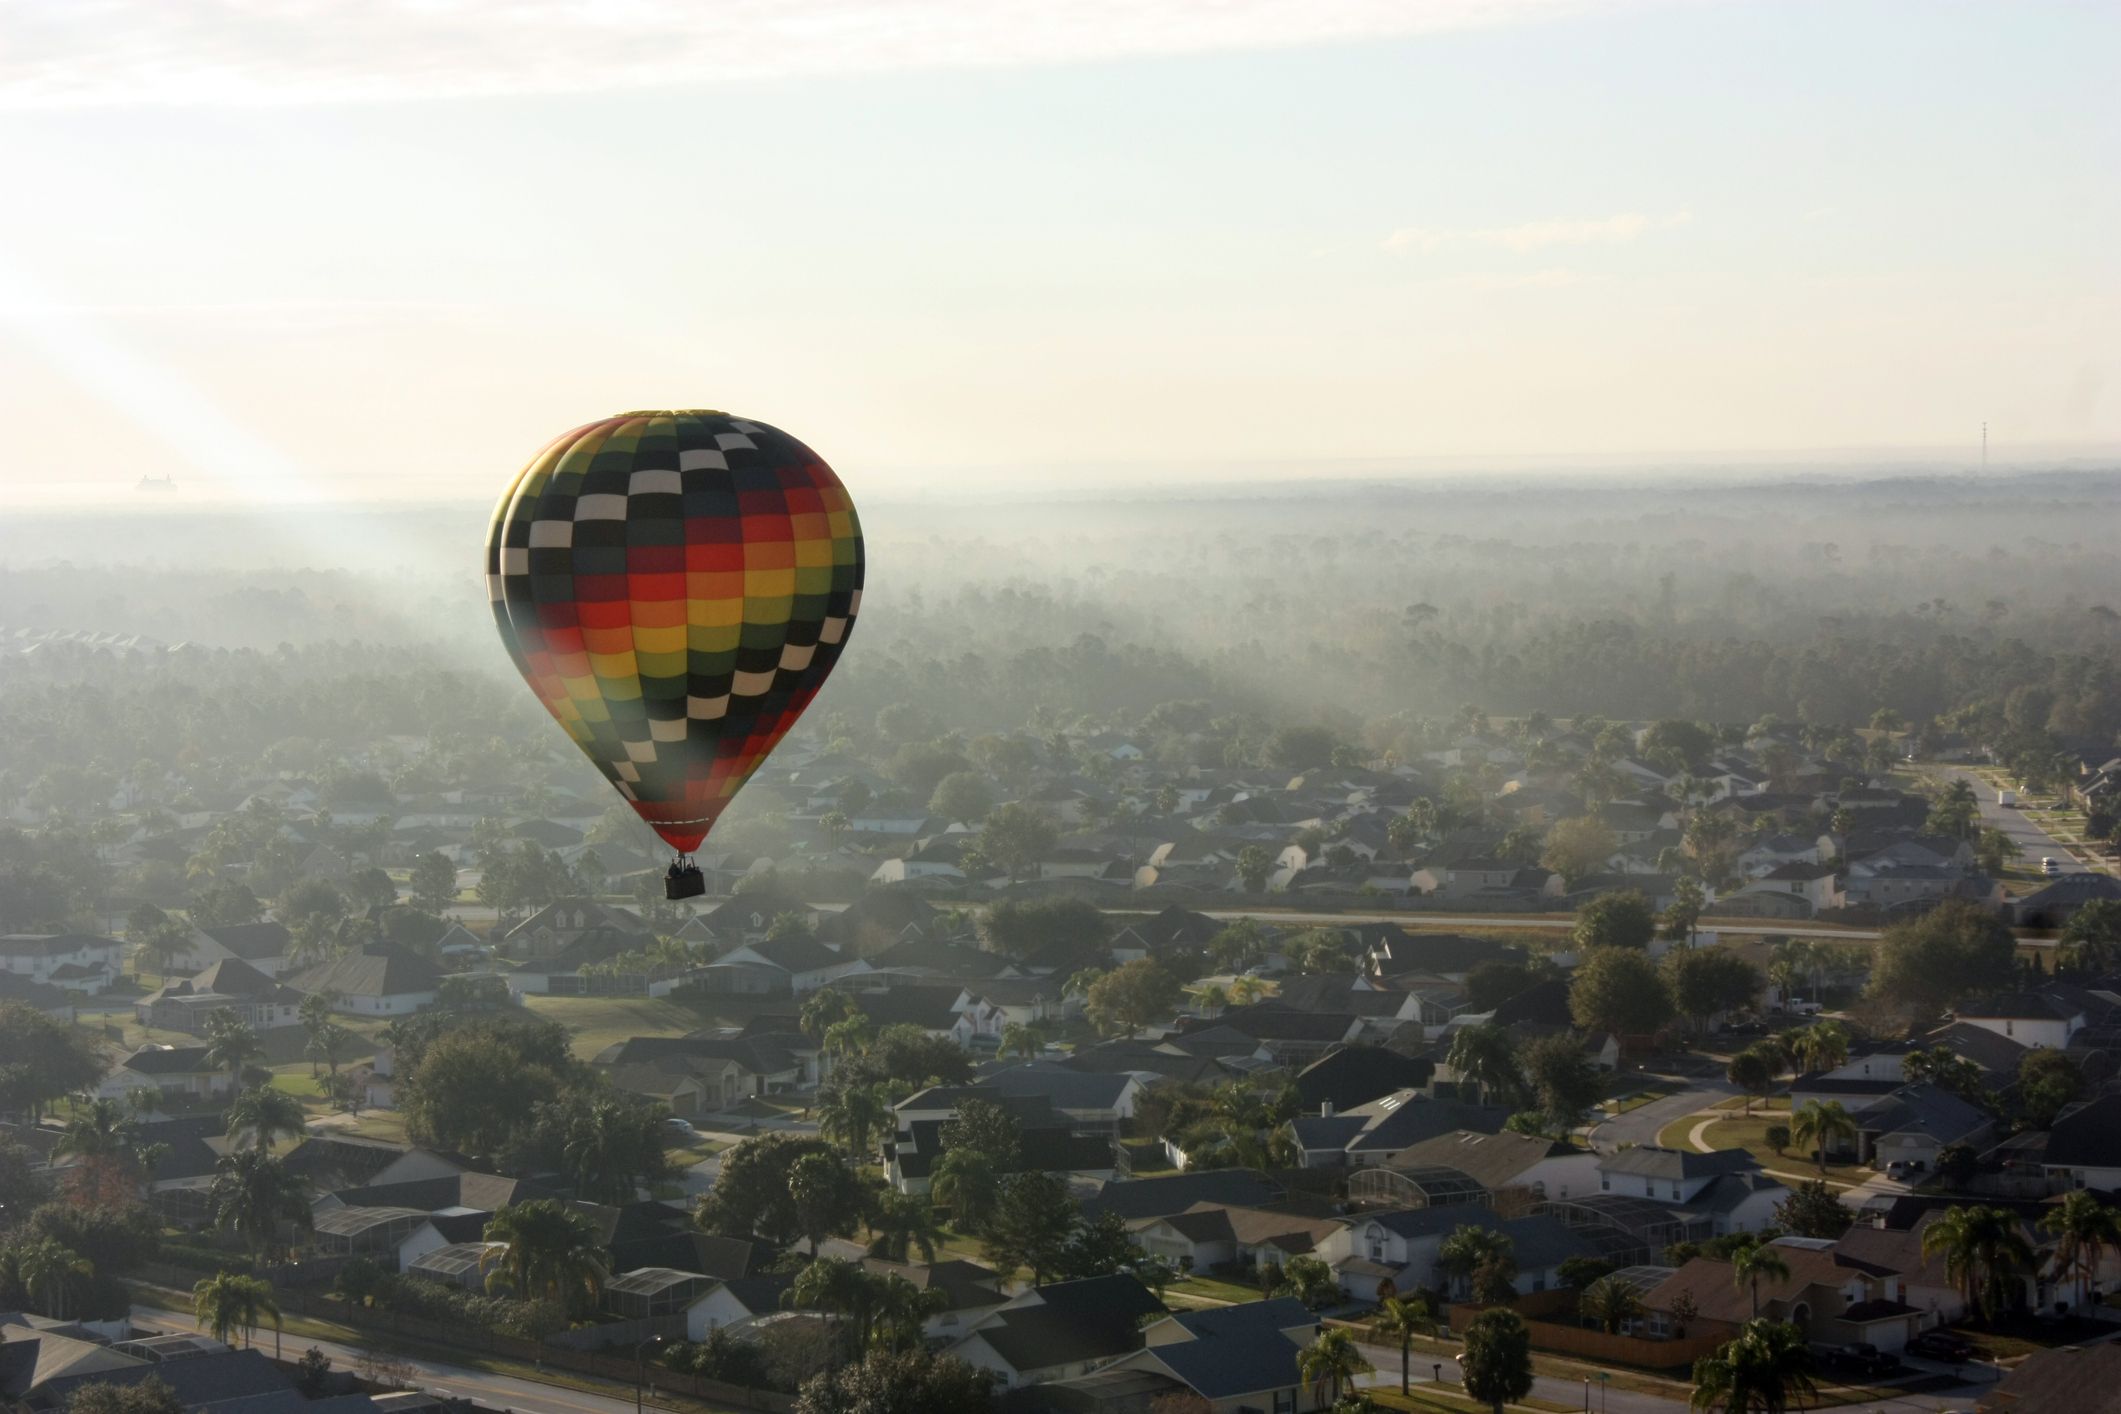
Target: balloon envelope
675	587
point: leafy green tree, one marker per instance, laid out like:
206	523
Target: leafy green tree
1953	952
852	1115
42	1059
473	1088
50	1271
1577	847
1620	919
231	1045
1099	1247
986	1127
1015	837
1497	1360
828	1197
1563	1079
1618	989
1317	951
1480	1261
903	1223
1032	1221
961	796
1254	864
1812	1210
2047	1082
1706	981
899	1382
2091	940
432	883
1131	996
1310	1281
148	1396
1751	1071
1068	926
229	1300
225	904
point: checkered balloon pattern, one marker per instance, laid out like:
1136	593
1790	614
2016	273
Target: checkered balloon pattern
675	587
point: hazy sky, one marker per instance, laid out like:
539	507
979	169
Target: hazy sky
301	247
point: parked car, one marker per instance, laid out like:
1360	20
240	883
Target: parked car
1860	1358
1941	1345
2048	865
677	1125
1902	1169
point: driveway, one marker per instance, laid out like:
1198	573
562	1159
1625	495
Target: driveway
1569	1393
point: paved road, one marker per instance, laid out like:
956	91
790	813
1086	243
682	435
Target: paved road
500	1392
1747	928
1548	1387
2033	842
1641	1124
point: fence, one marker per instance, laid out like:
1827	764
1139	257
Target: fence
1596	1346
471	1339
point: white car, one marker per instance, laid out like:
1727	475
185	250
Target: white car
2049	866
681	1126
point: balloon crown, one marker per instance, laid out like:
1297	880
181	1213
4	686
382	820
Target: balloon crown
672	412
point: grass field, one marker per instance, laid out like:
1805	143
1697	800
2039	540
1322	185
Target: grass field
1216	1289
1750	1134
595	1022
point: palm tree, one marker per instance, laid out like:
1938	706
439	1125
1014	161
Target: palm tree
852	1115
901	1309
1211	999
1782	975
48	1269
1984	1250
1821	1123
1480	1260
849	1036
545	1250
1758	1372
252	1194
824	1007
267	1113
2083	1228
1750	1262
1332	1360
1246	990
965	1181
600	1151
1398	1320
1611	1302
1021	1040
903	1222
1486	1056
230	1299
231	1044
830	1284
315	1015
100	1129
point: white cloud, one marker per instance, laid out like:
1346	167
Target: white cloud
84	52
1533	235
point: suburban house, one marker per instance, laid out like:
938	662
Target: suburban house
1210	1236
696	1075
175	1072
1832	1297
231	985
1401	1245
59	958
1234	1358
264	946
379	980
557	924
2084	1145
1060	1330
2035	1019
805	963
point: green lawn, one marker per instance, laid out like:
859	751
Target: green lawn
297	1081
1432	1399
596	1022
1751	1136
1216	1289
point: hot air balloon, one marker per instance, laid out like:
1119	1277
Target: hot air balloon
675	587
